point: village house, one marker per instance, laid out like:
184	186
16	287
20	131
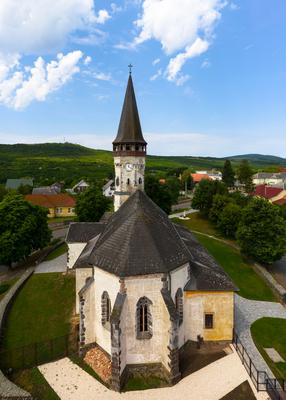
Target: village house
270	179
273	194
59	205
14	184
144	285
80	187
108	189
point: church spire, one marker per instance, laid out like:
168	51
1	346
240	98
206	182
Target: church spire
129	130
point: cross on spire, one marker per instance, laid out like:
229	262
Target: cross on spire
130	66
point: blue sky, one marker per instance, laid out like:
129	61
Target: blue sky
209	75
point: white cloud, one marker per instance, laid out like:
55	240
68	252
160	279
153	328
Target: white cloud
115	8
156	61
20	87
233	7
101	76
87	60
205	64
157	75
42	26
184	27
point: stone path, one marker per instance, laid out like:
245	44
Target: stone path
58	264
213	382
182	213
247	312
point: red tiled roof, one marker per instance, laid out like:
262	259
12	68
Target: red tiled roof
51	200
266	191
280	202
199	177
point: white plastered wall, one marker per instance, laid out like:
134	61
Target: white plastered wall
74	252
89	313
150	350
103	281
179	278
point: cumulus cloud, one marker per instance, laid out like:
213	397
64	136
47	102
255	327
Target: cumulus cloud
184	27
20	86
37	27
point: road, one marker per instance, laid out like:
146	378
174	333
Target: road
183	213
60	233
278	270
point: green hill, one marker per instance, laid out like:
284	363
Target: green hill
49	162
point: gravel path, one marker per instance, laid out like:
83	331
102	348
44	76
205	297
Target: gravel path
213	382
58	264
247	312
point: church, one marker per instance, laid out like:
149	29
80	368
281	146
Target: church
144	285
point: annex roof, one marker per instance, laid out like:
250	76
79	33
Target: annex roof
51	200
82	232
108	184
129	130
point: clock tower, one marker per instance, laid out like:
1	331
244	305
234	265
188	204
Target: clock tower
129	150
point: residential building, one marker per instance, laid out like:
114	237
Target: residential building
108	189
59	205
14	184
80	187
269	178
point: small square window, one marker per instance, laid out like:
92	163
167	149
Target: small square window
209	321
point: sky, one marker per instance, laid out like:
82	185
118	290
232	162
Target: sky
209	75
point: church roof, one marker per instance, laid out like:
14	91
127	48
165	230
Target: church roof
139	239
129	130
82	232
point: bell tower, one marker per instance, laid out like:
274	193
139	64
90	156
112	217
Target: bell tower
129	149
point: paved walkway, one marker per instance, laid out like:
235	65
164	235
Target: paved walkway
247	312
58	264
183	213
213	382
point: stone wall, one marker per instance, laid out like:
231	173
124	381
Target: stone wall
278	289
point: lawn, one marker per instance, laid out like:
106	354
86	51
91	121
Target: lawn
197	223
33	381
62	249
241	272
144	383
60	219
5	286
42	310
271	332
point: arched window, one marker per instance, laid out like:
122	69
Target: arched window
128	181
105	308
179	304
143	318
140	181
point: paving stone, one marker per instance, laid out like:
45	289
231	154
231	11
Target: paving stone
274	355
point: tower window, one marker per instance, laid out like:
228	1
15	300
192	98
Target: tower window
105	308
136	147
140	181
143	318
127	147
179	304
128	181
117	181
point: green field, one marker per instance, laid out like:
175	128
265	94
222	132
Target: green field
42	310
267	333
49	162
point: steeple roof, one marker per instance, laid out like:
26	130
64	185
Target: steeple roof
129	130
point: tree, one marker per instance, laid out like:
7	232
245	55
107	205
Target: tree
228	174
3	192
173	187
187	180
23	228
160	194
204	193
244	174
91	205
25	189
229	219
218	204
262	231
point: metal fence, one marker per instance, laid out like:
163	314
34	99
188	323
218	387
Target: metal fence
38	353
261	380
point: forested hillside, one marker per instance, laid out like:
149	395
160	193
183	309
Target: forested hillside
49	162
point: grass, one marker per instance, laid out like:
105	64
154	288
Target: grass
271	332
62	249
60	219
197	223
144	383
42	310
33	381
5	286
251	286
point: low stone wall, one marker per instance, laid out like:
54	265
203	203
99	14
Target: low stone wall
8	390
278	289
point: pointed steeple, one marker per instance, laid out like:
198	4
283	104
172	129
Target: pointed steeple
129	130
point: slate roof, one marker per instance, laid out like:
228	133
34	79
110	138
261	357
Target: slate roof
16	183
129	130
83	232
44	190
206	273
138	239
